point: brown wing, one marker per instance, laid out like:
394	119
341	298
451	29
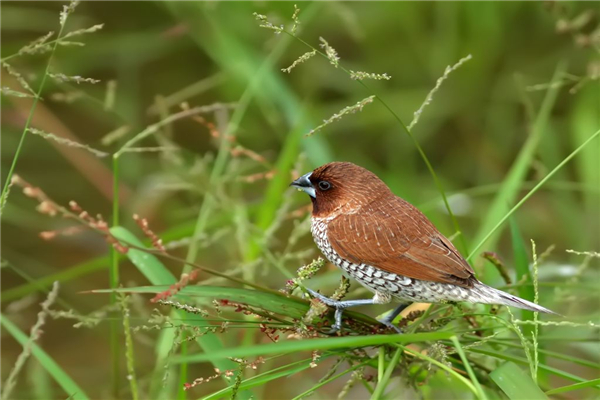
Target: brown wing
393	235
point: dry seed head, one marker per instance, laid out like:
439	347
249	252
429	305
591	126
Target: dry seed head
300	60
332	55
47	207
48	235
344	111
295	19
359	75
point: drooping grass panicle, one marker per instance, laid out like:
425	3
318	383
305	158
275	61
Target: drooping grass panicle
37	46
157	242
75	78
356	376
34	335
243	364
14	93
185	307
360	75
90	320
185	280
67	9
67	142
129	352
331	53
304	57
535	331
43	44
524	342
295	20
438	84
264	23
83	31
11	71
344	111
589	324
593	254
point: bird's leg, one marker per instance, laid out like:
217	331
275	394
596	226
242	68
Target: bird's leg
388	319
340	306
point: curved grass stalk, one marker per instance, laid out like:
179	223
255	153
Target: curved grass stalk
531	192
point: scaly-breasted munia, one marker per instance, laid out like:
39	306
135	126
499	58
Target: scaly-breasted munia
388	245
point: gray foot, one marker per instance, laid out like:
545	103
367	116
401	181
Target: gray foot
339	309
388	320
340	306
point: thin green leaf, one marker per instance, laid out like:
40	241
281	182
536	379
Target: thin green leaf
524	361
521	260
316	344
480	393
383	382
576	386
291	306
149	265
516	384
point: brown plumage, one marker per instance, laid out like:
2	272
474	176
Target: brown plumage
387	244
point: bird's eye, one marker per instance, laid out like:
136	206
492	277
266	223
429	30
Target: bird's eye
324	185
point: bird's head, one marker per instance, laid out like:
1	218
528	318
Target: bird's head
340	187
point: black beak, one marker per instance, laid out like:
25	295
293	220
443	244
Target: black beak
303	183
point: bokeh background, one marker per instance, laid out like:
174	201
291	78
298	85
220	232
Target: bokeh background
152	56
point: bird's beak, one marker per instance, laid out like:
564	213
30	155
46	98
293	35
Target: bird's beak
303	183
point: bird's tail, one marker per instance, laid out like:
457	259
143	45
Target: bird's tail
489	295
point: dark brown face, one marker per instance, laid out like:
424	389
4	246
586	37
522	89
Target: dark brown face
340	184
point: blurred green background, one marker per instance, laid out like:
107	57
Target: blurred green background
152	56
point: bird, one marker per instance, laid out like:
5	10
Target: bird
388	246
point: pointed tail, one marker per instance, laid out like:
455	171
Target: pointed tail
489	295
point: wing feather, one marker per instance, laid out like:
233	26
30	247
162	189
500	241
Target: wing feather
393	235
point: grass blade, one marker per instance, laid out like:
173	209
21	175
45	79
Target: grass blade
516	384
281	304
521	260
575	386
524	361
382	384
480	393
148	264
316	344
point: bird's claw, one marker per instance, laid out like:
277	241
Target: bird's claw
331	303
324	299
390	325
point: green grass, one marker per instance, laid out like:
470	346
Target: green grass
508	140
